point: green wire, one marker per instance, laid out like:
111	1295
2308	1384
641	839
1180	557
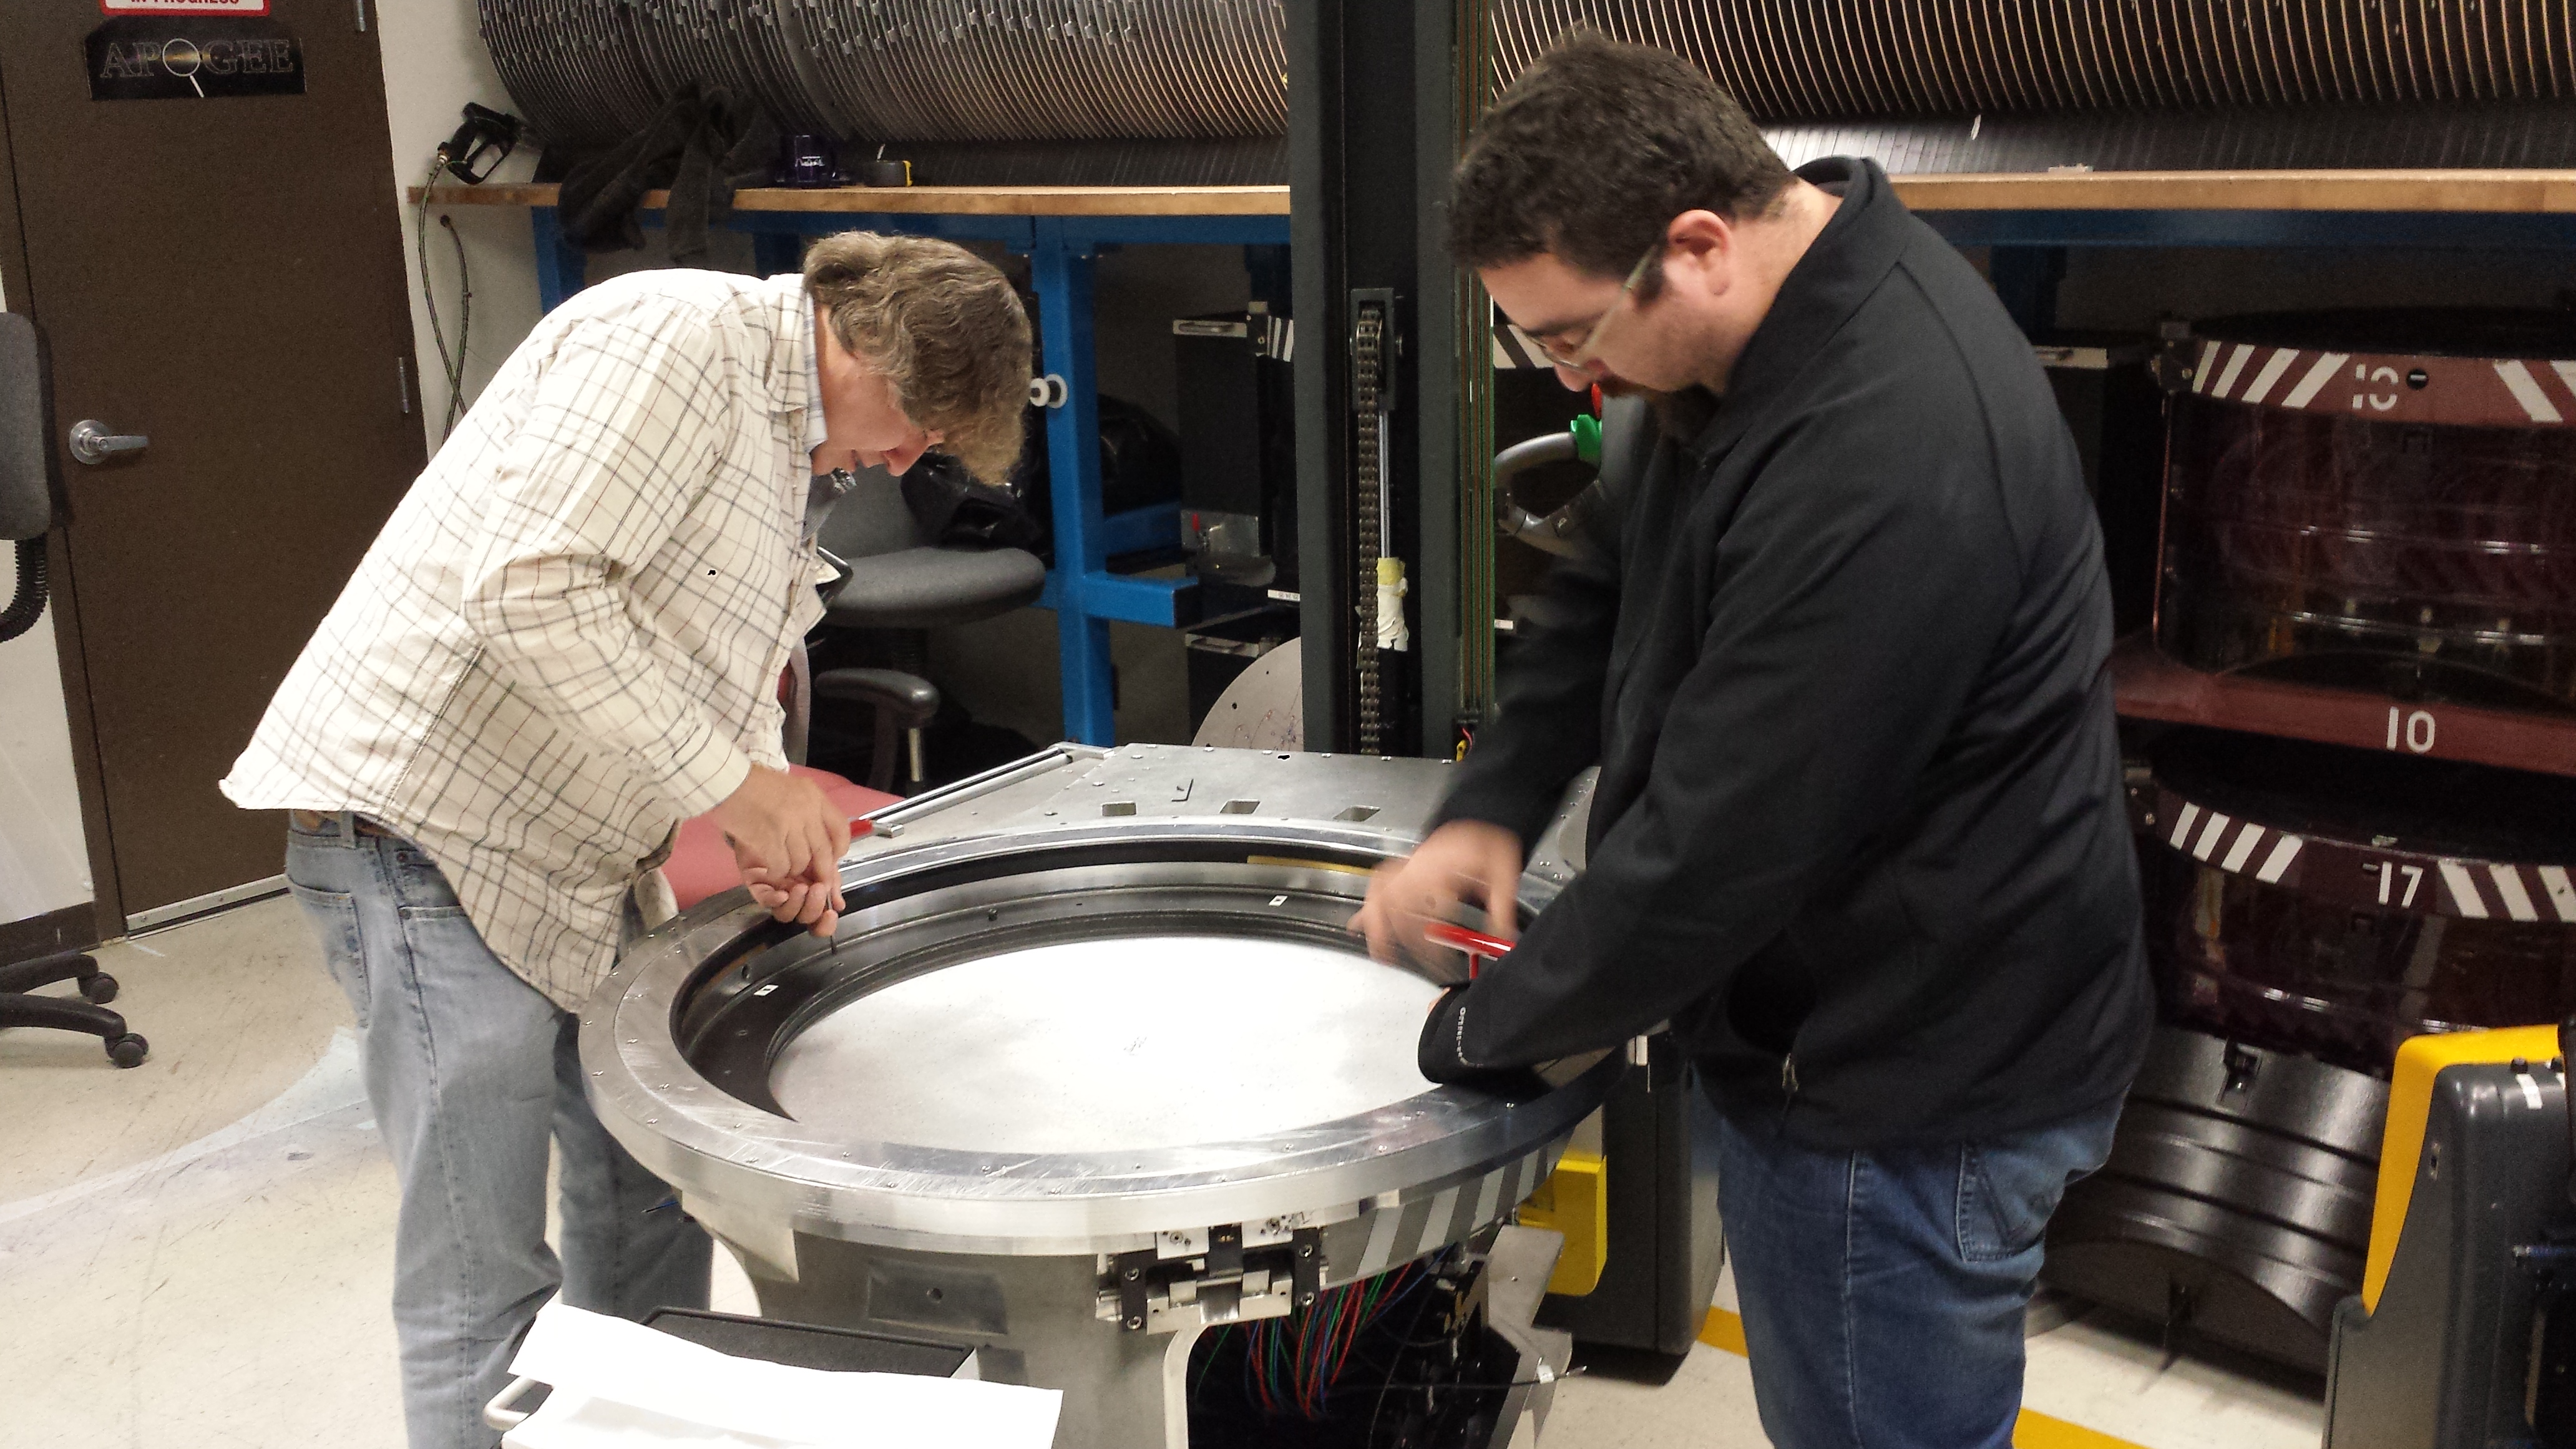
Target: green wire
1210	1365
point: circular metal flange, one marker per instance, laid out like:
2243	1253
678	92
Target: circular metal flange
696	1036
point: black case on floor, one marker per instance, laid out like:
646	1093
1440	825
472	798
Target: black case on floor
2447	1361
1658	1135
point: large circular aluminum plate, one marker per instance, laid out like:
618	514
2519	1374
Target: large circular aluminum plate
1056	1042
1108	1045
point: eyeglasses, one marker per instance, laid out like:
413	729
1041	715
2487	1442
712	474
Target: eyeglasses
1591	342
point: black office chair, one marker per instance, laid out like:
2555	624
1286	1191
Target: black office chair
20	1006
26	513
902	583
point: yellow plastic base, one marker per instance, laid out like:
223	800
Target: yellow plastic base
2420	1059
1575	1201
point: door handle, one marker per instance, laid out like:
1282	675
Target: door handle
93	443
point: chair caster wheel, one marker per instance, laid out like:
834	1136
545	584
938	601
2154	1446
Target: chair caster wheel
100	989
128	1050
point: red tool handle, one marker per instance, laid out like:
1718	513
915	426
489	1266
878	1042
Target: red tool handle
1475	943
861	827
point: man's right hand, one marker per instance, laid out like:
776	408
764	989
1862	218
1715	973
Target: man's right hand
788	831
1465	862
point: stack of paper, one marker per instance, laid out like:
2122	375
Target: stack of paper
620	1385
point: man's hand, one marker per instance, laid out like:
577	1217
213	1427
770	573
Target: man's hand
805	903
787	839
1465	862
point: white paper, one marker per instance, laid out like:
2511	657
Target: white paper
629	1386
572	1421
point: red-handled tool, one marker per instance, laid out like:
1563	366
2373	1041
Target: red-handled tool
1477	945
861	827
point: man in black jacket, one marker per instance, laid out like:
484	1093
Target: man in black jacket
1857	834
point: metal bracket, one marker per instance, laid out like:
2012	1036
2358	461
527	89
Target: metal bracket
1225	1252
2243	1066
1127	1272
1228	1273
1305	1267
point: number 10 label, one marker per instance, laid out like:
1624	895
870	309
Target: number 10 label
2416	729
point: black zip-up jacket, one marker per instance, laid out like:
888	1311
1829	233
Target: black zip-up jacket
1858	831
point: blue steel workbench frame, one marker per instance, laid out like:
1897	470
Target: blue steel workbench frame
1061	250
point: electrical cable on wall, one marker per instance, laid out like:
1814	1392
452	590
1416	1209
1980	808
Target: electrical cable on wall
484	138
451	366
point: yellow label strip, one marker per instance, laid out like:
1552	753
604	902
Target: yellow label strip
1335	866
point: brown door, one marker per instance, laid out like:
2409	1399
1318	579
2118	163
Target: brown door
223	276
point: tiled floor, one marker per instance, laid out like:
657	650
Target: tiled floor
196	1252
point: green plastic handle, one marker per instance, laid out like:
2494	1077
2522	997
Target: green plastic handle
1587	437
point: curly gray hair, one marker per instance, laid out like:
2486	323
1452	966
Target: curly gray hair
946	328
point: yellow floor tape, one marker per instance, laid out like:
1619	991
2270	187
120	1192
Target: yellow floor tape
2036	1430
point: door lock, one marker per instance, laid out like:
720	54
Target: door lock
92	443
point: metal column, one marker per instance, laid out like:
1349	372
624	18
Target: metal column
1060	268
2026	280
562	269
1373	123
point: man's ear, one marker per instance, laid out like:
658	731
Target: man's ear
1702	243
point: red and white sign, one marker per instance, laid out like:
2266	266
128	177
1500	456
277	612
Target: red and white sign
2480	392
183	7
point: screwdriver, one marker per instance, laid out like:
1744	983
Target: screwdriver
1477	945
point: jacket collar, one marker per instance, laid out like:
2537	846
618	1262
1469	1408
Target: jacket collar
1843	266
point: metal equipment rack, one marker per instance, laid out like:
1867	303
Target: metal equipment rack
2030	221
1061	230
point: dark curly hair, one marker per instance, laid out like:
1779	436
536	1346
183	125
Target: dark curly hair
1594	149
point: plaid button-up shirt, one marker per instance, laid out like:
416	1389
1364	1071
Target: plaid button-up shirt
568	637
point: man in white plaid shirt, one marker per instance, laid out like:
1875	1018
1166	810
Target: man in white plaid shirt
567	640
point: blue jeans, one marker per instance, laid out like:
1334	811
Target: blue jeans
471	1071
1883	1292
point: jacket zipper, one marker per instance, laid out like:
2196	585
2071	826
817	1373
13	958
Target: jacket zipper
1788	1084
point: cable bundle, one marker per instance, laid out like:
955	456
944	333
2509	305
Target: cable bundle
1906	58
589	72
1291	1365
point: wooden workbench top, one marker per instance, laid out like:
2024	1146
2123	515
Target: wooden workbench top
2395	191
2411	191
939	200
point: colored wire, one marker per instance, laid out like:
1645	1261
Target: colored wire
1294	1366
1212	1345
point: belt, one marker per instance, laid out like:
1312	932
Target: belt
315	820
